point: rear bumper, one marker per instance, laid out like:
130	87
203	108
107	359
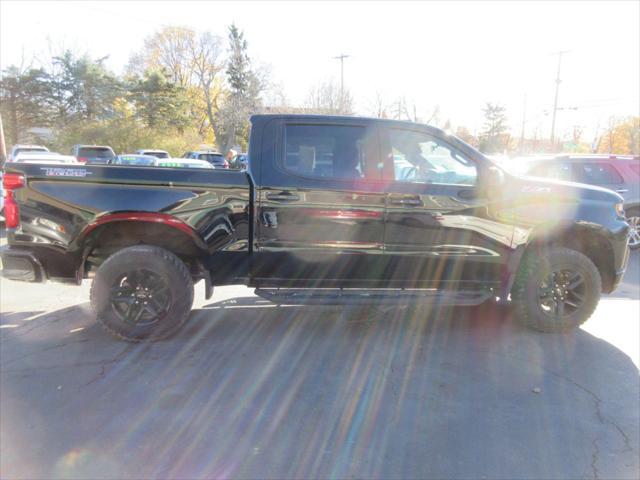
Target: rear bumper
22	265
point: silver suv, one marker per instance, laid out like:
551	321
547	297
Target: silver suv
620	173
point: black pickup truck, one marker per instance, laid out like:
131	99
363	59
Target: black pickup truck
331	210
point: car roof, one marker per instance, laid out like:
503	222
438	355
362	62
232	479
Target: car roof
27	145
94	146
348	119
583	157
210	152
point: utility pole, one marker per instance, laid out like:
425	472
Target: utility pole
524	121
555	101
341	57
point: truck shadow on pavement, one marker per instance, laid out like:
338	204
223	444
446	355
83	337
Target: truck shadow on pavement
249	389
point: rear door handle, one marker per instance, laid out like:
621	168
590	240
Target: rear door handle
407	201
622	190
283	197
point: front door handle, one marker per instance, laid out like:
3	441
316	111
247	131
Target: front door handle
283	197
407	201
622	190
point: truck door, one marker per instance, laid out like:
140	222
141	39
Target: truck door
320	216
439	229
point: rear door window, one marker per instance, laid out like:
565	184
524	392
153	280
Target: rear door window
330	152
597	174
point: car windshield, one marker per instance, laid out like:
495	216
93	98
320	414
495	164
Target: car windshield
95	152
157	154
30	149
211	157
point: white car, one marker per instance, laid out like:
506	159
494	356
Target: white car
154	153
47	158
21	148
183	163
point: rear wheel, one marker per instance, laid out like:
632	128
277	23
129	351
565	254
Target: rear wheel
142	293
633	219
556	291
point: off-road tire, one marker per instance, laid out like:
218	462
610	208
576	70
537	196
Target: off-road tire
160	262
632	214
536	265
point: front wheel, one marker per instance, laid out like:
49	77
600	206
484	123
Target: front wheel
142	293
556	291
633	220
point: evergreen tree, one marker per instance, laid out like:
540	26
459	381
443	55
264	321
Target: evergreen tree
494	137
24	100
243	96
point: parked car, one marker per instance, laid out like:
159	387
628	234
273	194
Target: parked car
460	234
214	158
93	154
620	173
154	153
239	161
1	199
183	163
20	148
134	159
47	158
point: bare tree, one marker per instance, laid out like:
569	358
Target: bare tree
170	49
327	98
380	108
205	51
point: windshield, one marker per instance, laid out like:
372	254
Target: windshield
211	157
30	149
94	152
157	154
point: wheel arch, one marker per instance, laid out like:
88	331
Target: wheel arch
590	240
113	232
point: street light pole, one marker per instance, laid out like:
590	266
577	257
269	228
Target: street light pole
555	101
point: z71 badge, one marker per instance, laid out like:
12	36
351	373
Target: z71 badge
65	172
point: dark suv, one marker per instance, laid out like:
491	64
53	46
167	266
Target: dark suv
620	173
93	154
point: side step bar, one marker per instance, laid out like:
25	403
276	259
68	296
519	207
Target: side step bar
332	296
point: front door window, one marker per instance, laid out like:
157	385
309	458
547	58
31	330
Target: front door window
422	158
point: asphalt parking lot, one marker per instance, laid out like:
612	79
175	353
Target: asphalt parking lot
253	390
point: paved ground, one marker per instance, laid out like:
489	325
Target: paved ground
252	390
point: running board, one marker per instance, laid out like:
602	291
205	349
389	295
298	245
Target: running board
332	296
